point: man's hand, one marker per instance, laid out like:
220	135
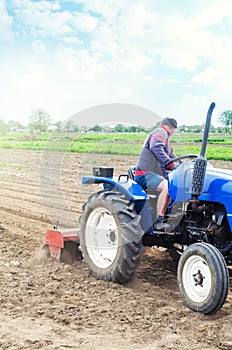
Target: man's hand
171	166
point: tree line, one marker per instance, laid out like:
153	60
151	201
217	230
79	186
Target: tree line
40	121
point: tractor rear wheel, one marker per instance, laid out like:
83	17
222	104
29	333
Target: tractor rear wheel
111	236
203	278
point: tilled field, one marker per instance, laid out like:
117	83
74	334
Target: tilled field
46	304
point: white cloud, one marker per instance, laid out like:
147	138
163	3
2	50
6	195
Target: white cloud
137	21
5	22
217	77
83	22
218	73
39	47
170	81
106	40
148	78
214	12
73	40
40	6
134	61
42	17
104	50
108	9
81	63
129	29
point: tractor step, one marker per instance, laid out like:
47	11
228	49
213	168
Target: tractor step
57	240
157	238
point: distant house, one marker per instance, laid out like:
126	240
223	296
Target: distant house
52	128
20	131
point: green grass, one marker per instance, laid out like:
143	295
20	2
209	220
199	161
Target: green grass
216	153
213	138
125	144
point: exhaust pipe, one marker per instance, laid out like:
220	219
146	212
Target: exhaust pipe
201	162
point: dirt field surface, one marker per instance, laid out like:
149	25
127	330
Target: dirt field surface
46	304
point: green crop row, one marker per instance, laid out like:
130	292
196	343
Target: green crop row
125	144
212	152
110	137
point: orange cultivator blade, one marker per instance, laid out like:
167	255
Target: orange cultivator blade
63	244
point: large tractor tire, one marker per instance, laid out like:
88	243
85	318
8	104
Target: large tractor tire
111	236
203	278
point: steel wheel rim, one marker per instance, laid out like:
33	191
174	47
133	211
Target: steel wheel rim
102	238
197	279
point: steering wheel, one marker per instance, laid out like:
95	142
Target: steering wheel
178	159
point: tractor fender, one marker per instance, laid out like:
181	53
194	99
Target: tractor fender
133	191
121	183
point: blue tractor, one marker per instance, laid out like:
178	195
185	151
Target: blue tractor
117	222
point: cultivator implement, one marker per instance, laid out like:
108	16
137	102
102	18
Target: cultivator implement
63	244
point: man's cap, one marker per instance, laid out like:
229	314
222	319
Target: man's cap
170	122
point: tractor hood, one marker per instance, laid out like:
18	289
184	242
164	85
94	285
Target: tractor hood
217	184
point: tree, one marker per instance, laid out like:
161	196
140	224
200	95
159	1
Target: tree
135	128
4	128
226	120
15	125
76	128
58	126
70	126
39	120
119	128
96	128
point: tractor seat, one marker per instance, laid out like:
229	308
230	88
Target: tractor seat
131	174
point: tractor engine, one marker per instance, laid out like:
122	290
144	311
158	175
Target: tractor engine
205	222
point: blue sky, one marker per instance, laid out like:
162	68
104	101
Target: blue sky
172	57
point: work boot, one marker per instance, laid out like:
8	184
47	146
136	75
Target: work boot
160	225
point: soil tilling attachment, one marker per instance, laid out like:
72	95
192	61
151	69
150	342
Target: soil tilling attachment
63	244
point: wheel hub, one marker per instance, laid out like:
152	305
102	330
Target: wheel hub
112	236
198	278
102	238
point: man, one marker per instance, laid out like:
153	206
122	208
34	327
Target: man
150	171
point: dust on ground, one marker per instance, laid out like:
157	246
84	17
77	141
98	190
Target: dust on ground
46	304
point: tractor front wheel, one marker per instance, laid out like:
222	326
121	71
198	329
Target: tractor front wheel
203	278
111	236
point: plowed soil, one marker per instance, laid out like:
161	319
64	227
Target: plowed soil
47	304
